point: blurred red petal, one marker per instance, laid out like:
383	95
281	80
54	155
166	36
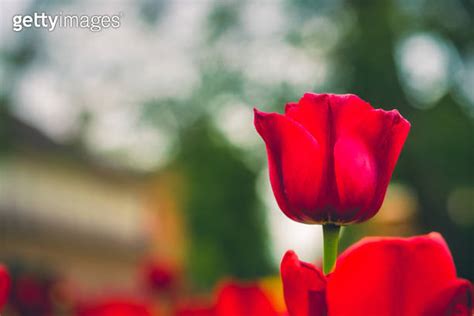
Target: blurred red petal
194	308
237	299
5	283
115	307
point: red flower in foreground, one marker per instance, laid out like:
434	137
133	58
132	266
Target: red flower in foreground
5	283
331	156
115	307
380	277
233	299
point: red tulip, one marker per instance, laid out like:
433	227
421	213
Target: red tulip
243	299
331	156
233	299
5	283
159	277
195	308
115	307
380	277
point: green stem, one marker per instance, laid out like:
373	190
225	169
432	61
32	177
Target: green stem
331	242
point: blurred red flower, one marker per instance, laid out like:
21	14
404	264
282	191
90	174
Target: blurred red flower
5	283
236	299
380	277
115	307
331	156
233	298
31	293
195	307
159	277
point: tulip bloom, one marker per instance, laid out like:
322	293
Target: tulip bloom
331	157
380	277
194	308
31	294
233	299
115	307
5	283
159	277
243	299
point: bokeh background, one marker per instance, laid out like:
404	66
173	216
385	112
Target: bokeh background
136	145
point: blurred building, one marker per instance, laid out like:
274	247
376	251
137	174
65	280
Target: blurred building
77	218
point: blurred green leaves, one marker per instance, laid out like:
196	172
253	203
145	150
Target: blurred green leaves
226	223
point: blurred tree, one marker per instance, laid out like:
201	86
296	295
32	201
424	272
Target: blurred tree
223	17
225	221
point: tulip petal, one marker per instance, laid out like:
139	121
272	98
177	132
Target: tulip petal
116	307
295	161
386	136
314	114
367	145
194	308
354	165
304	287
5	283
347	111
243	299
454	300
394	274
355	171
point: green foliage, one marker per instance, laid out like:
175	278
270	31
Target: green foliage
225	221
222	18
